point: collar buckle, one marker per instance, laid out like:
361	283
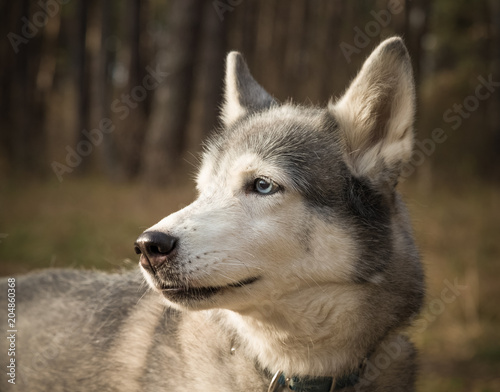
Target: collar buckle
280	382
275	384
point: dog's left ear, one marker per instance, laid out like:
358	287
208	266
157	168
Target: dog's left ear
242	94
375	115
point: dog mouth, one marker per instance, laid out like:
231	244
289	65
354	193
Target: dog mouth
179	293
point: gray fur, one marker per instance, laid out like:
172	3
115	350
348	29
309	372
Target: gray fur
243	95
315	279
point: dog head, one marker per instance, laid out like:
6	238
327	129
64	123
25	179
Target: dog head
293	201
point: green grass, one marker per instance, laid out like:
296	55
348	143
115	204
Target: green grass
92	223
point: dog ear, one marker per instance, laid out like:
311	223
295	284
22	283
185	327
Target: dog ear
375	115
242	94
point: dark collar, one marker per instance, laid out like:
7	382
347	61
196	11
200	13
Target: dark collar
315	384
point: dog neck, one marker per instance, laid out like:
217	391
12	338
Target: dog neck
287	361
298	348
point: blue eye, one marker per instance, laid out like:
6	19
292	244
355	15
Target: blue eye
265	186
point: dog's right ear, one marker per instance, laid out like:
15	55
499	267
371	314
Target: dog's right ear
375	115
242	94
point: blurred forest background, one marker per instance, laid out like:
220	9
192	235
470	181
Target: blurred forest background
104	106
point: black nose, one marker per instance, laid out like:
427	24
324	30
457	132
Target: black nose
155	247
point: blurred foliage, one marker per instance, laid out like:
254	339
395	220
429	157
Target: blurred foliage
91	57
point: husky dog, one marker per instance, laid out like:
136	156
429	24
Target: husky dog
294	269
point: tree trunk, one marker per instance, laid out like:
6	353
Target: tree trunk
165	137
22	113
82	79
132	130
105	91
209	74
494	102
